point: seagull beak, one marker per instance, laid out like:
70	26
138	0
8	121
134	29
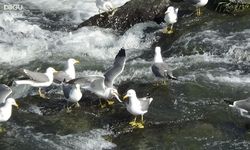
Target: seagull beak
77	62
116	94
125	97
16	105
166	12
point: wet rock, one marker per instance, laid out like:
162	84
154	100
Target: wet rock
134	11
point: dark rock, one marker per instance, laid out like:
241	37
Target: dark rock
229	6
133	12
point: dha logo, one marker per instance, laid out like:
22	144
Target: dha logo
15	7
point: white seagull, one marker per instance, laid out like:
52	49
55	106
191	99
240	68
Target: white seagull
6	103
137	106
170	19
159	68
102	85
198	4
72	93
106	6
38	79
69	73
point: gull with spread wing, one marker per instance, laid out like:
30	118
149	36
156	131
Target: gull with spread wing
102	85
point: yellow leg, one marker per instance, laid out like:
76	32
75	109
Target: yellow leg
41	94
142	121
198	11
171	29
2	129
102	105
165	30
68	108
140	124
133	123
110	102
77	105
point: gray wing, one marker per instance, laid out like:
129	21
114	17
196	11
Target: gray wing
244	104
5	91
117	68
61	76
37	76
161	70
97	86
66	89
145	102
86	80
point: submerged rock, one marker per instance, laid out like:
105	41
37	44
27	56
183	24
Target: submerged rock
134	11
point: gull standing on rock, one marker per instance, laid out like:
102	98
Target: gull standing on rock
159	68
170	19
106	6
72	93
102	85
198	4
6	103
69	73
38	79
137	106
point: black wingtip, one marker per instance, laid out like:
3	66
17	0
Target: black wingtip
121	53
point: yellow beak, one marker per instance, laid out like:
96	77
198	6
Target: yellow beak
77	62
16	106
125	97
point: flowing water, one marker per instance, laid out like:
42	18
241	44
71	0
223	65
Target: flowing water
210	57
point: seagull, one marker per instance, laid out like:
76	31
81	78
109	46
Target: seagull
69	72
137	106
106	6
170	18
159	68
6	103
198	4
102	85
243	106
72	93
38	79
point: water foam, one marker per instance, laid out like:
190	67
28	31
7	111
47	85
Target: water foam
74	10
23	42
92	139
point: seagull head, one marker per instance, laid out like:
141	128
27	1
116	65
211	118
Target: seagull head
130	93
73	61
158	57
51	70
78	86
171	9
12	101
